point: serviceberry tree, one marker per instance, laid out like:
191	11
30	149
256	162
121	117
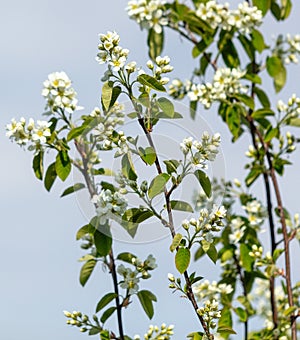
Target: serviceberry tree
252	280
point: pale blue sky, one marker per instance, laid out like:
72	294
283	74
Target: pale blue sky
38	251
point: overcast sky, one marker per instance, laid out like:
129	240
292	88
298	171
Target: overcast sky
39	269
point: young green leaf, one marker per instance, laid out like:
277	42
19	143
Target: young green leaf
107	314
181	206
175	242
63	165
106	299
137	215
157	185
146	299
126	257
86	229
86	271
50	177
204	182
166	106
148	155
155	42
103	240
73	188
151	82
37	165
128	168
182	259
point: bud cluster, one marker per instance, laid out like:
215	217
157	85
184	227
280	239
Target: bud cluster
201	151
162	66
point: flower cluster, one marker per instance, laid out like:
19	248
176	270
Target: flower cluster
82	321
201	151
22	133
156	333
148	13
109	204
211	290
59	93
256	212
243	19
162	66
206	223
238	230
111	52
226	82
131	278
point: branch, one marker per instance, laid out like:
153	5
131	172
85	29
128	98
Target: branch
112	266
170	225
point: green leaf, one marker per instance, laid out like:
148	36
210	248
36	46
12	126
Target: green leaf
290	310
230	55
261	113
106	299
148	155
175	242
294	122
107	314
157	185
37	165
285	9
50	177
63	165
263	5
226	330
247	45
155	42
86	271
233	120
258	41
126	257
225	319
246	259
181	206
171	165
182	259
86	229
109	95
166	106
137	215
262	96
277	71
103	239
254	78
151	82
94	331
193	108
248	101
75	132
276	10
271	133
204	182
195	336
73	188
128	168
212	253
241	313
104	335
146	299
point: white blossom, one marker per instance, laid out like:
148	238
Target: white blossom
59	93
